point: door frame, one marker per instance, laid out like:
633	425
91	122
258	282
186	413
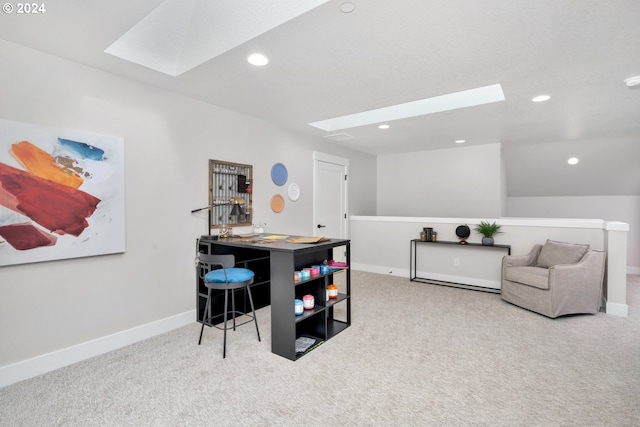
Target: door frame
341	161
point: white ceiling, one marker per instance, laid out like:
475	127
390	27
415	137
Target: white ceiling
326	63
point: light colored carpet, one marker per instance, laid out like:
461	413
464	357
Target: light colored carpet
415	355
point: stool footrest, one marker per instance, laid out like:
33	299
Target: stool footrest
239	314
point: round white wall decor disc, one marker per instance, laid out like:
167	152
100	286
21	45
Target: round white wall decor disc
293	192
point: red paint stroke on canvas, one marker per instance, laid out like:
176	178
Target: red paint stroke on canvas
25	236
56	207
42	164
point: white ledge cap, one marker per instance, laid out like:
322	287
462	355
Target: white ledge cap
505	221
616	226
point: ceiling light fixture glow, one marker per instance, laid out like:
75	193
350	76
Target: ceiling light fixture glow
384	127
452	101
461	141
573	161
632	81
258	59
541	98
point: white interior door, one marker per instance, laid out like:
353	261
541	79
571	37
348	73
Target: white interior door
330	198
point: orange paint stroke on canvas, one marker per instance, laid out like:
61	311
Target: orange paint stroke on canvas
43	165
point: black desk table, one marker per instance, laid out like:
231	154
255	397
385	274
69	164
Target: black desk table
274	262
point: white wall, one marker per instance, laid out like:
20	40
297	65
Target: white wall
456	182
168	141
471	182
504	185
609	208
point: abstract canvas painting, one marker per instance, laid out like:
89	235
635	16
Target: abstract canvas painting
61	194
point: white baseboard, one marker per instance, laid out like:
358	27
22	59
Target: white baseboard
39	365
471	281
633	270
381	269
616	309
493	284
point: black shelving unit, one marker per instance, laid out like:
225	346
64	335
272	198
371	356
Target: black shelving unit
321	322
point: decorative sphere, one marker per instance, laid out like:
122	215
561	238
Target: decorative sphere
463	231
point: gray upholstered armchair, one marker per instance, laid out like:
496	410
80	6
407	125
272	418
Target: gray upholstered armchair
555	279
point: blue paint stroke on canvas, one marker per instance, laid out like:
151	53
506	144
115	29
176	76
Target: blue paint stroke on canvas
86	151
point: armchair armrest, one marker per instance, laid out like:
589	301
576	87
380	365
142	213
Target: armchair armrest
588	271
522	260
579	284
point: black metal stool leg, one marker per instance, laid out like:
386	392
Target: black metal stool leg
255	319
224	345
204	316
233	308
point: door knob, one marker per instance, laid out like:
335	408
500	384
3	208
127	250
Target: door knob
321	226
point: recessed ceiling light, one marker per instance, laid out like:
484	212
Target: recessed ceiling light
384	127
541	98
451	101
347	7
573	161
461	141
258	59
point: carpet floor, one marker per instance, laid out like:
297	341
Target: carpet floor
415	355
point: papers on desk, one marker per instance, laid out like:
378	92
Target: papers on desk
258	238
301	239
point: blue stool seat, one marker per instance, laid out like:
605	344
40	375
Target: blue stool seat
229	275
219	272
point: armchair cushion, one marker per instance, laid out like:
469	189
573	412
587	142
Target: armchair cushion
532	276
554	253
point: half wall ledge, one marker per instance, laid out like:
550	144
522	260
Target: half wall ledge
380	244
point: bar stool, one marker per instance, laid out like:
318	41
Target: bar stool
223	275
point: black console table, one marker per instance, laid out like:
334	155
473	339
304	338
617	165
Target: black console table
413	264
274	263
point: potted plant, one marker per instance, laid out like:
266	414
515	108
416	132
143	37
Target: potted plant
488	230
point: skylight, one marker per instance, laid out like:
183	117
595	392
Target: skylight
179	35
452	101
